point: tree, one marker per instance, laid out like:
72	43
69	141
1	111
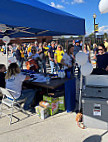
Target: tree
105	35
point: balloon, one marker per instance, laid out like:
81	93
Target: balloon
86	69
6	39
81	58
103	6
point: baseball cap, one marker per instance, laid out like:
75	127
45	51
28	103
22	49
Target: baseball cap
77	41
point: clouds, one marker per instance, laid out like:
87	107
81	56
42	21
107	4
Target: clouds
72	1
103	29
66	2
57	6
77	1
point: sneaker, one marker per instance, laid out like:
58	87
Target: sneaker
32	110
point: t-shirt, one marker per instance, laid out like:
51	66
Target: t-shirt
41	54
35	56
29	49
59	55
67	60
15	83
106	45
102	61
2	79
22	53
52	51
46	50
76	49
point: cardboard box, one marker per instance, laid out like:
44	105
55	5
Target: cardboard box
44	104
61	103
53	108
50	99
42	112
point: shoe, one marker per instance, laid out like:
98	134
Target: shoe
32	110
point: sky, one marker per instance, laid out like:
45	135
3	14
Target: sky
84	9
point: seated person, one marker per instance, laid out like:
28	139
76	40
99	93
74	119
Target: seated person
33	54
14	80
2	75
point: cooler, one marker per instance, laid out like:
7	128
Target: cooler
95	113
96	91
98	80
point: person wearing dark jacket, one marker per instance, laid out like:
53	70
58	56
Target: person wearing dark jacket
2	75
18	55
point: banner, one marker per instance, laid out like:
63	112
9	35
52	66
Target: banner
96	28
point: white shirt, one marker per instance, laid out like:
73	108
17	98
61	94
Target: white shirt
15	84
67	60
35	56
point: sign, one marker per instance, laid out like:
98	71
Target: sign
6	39
11	60
96	27
97	110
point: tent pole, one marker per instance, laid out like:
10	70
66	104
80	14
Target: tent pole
81	79
83	42
6	55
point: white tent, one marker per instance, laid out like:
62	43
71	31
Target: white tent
103	6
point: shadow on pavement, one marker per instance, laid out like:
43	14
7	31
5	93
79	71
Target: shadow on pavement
95	138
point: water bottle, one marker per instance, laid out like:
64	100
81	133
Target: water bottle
59	73
62	74
47	79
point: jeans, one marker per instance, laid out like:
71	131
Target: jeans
43	66
14	54
29	95
19	63
52	66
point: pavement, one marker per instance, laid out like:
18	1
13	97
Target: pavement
61	127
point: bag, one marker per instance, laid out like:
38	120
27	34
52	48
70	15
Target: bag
79	119
31	65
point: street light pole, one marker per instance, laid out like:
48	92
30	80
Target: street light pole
94	17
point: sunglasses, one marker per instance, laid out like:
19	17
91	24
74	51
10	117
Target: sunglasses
100	49
33	50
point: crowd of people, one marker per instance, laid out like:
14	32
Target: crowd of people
42	54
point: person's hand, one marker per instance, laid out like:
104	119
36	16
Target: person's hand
55	62
52	60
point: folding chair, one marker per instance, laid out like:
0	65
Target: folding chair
9	100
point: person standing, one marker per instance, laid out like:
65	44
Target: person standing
18	55
40	51
51	52
58	56
22	57
68	58
13	51
77	47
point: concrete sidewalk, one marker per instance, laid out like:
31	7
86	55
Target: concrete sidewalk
58	128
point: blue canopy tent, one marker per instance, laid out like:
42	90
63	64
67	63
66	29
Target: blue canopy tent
26	18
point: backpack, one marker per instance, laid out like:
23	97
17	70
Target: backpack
79	120
32	65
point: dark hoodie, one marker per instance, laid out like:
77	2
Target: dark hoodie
2	79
